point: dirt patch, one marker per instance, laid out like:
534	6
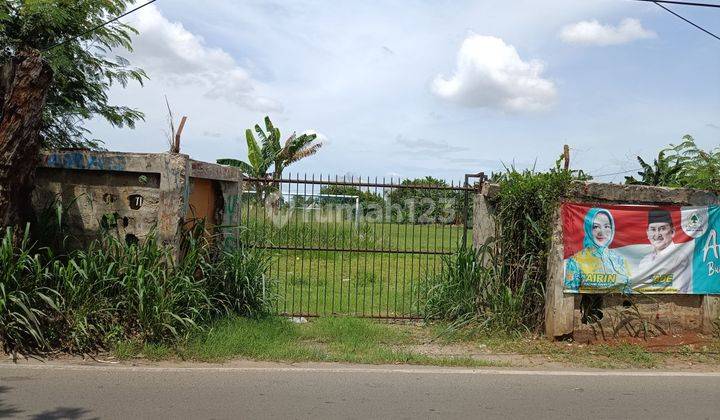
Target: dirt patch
658	343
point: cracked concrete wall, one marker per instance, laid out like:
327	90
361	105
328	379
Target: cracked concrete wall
563	316
673	313
134	193
122	201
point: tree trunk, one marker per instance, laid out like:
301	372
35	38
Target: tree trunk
25	84
276	189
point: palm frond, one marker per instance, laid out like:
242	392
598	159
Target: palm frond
255	155
294	144
230	162
303	153
245	167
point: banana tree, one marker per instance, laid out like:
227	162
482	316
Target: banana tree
270	152
664	171
257	165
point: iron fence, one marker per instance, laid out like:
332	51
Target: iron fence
354	246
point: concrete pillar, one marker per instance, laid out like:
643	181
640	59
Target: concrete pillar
232	202
710	314
483	219
174	198
559	307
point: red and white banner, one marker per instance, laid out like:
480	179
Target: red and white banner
640	249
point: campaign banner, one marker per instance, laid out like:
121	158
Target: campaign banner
641	249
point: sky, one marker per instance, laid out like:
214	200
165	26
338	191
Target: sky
416	87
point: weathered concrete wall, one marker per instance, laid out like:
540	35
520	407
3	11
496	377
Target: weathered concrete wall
126	201
559	306
563	315
131	192
671	312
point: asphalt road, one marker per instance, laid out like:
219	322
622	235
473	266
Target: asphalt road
335	391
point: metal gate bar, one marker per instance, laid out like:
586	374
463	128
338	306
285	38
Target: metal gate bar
333	257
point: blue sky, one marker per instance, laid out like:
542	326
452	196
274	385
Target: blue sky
413	88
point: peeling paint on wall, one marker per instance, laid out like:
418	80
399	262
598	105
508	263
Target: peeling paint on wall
83	160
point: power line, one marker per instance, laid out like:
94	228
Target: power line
683	3
688	21
99	26
616	173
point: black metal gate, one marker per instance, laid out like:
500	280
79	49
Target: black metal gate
347	246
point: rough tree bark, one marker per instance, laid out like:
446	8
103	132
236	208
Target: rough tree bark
24	83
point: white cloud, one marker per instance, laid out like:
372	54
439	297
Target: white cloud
592	32
169	51
491	74
427	147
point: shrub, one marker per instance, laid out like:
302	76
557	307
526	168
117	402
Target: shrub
501	286
526	208
471	288
240	282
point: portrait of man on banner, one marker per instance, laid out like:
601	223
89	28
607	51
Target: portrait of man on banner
668	267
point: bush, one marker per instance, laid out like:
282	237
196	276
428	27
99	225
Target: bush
89	299
240	281
501	286
471	288
526	208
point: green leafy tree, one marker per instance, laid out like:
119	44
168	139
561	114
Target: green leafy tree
424	205
682	165
56	67
84	68
369	201
699	168
257	165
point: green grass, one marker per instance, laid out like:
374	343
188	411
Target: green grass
353	340
329	339
349	282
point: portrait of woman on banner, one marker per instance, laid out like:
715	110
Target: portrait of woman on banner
596	267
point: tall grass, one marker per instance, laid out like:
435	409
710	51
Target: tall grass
88	299
25	302
472	289
240	282
501	285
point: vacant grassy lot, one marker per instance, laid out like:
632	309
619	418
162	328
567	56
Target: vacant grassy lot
372	269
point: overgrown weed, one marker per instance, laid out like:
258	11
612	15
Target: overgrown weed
85	300
500	287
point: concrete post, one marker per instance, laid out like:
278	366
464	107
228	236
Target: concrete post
232	196
710	313
483	220
174	196
559	307
484	223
